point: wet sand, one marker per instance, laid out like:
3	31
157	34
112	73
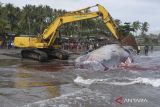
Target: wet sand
24	81
10	53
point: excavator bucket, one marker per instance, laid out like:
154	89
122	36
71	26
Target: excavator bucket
130	41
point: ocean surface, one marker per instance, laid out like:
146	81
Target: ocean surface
25	83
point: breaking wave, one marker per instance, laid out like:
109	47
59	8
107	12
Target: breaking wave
80	98
122	82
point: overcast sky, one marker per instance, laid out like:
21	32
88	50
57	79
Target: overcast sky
125	10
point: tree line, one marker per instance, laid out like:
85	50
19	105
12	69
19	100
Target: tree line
32	20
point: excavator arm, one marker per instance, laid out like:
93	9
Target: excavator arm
79	15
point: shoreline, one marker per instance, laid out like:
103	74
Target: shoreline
15	53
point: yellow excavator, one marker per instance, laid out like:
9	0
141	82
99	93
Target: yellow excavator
43	47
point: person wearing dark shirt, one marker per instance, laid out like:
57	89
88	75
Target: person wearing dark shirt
146	48
151	48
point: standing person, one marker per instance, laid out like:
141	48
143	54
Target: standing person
87	46
151	48
1	43
90	47
139	50
96	45
146	49
79	47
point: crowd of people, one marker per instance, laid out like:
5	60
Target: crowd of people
82	46
6	41
79	47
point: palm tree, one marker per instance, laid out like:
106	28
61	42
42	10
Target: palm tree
25	20
3	18
136	26
144	28
118	22
1	4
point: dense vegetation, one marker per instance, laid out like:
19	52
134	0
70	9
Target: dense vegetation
32	20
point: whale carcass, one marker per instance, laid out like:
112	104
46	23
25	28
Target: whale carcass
104	58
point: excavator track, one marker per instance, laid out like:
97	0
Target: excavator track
60	54
43	55
34	54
